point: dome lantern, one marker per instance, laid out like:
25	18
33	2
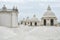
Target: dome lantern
4	7
34	15
49	8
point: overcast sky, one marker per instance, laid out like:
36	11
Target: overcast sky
27	8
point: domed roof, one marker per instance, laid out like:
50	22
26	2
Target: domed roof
34	18
49	13
27	19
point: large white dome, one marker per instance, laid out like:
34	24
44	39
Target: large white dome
49	13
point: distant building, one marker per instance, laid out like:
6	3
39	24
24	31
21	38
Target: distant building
48	19
9	17
31	22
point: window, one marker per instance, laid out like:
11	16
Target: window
30	23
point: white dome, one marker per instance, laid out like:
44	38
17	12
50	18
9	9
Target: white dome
27	19
49	13
34	18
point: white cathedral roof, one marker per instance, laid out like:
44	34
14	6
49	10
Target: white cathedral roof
4	9
49	13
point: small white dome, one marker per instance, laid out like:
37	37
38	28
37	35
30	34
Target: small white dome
27	19
34	18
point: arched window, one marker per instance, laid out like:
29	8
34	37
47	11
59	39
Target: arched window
52	22
21	22
25	23
35	23
30	23
44	22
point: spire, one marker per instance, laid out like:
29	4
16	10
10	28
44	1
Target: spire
49	8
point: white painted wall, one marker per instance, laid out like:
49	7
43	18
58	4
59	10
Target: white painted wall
14	19
5	19
9	19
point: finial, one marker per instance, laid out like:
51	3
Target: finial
34	15
49	8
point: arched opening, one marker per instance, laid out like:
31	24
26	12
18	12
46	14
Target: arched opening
35	23
25	23
44	22
21	22
52	22
30	23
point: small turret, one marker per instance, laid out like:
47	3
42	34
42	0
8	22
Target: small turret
15	8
